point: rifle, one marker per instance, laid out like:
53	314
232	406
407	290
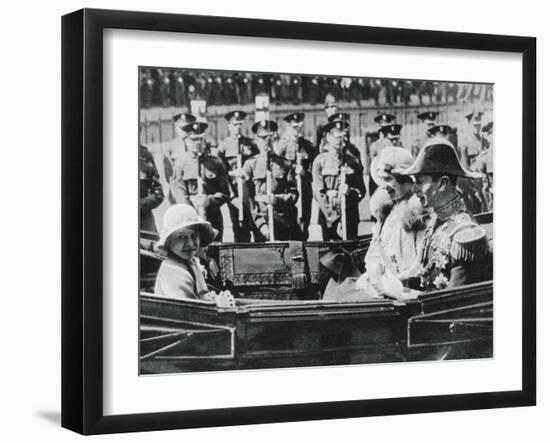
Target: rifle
269	189
299	185
200	186
240	185
343	208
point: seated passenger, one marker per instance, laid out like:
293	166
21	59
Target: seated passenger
395	252
456	250
181	276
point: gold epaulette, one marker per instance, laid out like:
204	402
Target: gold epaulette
470	244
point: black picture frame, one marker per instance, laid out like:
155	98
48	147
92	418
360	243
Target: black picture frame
82	215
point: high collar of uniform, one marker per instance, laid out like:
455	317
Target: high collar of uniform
450	208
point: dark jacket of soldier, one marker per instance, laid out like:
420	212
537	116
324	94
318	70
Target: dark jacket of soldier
228	151
303	150
150	189
216	187
285	195
326	181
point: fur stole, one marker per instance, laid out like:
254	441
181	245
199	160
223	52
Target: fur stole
414	219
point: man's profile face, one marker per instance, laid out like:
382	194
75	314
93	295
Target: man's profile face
427	190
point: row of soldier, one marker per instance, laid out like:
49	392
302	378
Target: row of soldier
267	206
277	205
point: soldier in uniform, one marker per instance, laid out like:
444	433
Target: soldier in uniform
234	151
484	163
428	118
150	189
201	180
175	148
381	120
456	249
330	109
262	170
300	152
350	147
445	131
471	144
330	189
392	133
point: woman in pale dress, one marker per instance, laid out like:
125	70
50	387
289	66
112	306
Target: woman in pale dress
393	258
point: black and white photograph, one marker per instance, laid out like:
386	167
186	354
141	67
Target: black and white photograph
291	220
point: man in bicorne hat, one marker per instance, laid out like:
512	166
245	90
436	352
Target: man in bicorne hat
456	249
200	178
300	152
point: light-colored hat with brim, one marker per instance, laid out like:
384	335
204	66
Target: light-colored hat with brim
182	217
391	159
438	157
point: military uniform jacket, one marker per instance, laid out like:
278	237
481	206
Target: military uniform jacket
150	189
173	149
326	177
230	147
456	250
216	185
284	188
291	151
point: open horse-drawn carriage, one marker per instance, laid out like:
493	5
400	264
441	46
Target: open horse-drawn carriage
279	318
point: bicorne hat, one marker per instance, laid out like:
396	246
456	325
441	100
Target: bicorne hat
437	157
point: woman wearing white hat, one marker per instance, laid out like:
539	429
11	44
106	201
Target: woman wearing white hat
181	275
394	253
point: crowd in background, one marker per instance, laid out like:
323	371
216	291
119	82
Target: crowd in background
161	87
